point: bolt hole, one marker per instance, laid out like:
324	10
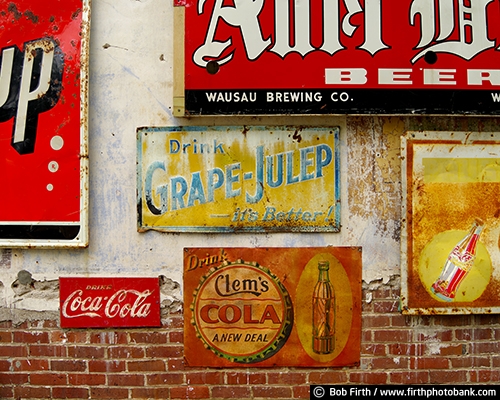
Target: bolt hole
212	67
430	57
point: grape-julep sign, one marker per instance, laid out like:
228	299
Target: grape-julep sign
339	57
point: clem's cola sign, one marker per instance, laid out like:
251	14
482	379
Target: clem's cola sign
109	302
341	56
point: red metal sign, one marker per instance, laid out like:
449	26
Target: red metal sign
342	56
109	302
43	78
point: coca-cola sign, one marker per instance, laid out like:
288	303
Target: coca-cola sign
338	56
109	302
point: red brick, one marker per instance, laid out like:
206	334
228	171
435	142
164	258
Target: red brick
13	379
86	379
68	365
373	378
176	337
13	351
385	306
150	365
244	378
125	352
469	362
151	393
108	393
376	321
59	336
109	337
149	337
391	336
5	337
373	349
5	365
330	377
107	366
43	350
485	376
301	392
189	392
474	334
70	393
175	364
429	363
30	392
165	351
205	378
6	392
126	380
31	337
272	392
287	378
86	352
405	349
165	379
447	376
48	379
389	362
30	364
452	350
173	322
484	347
409	377
231	392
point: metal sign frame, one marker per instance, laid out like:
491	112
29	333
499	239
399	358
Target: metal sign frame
338	57
44	50
451	187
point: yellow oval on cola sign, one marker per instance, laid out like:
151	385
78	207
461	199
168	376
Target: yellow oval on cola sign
242	312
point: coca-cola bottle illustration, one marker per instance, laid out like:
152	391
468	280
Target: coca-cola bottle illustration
323	305
458	264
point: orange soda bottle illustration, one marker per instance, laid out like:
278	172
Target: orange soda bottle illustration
323	305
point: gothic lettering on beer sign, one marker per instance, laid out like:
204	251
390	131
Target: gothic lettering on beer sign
227	179
109	302
338	57
43	120
261	307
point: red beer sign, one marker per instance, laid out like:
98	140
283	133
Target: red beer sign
109	302
43	122
340	56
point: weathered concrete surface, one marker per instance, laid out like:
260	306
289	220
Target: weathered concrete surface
131	83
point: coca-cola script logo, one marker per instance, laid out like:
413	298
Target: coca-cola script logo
101	302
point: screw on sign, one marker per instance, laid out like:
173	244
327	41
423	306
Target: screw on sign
42	145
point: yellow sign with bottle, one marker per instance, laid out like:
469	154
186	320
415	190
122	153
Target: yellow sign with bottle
227	179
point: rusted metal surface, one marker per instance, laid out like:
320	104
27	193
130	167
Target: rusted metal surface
239	179
451	184
255	307
43	123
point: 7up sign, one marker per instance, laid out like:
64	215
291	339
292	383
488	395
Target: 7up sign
43	78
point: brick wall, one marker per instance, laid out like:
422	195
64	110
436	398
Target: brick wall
40	360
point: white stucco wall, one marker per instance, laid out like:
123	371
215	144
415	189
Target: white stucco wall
131	74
